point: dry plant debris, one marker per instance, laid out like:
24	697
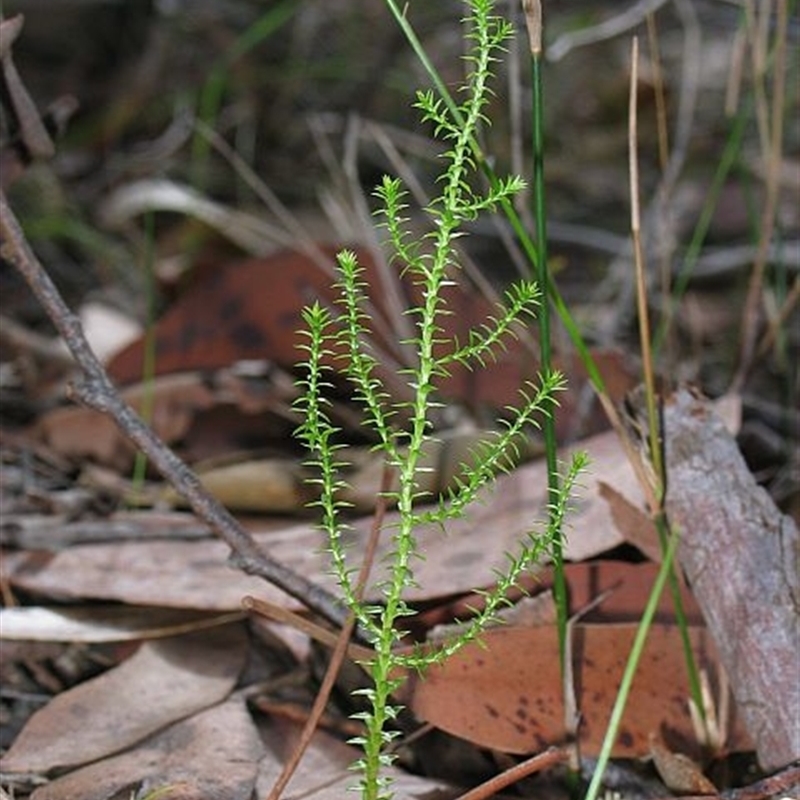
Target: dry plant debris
169	714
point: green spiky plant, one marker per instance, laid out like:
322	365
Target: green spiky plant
335	340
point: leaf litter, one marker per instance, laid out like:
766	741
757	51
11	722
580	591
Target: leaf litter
173	715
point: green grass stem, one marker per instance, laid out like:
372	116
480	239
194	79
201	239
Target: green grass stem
524	238
213	89
630	669
730	155
534	21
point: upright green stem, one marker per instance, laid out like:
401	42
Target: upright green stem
730	153
523	236
630	669
345	334
533	12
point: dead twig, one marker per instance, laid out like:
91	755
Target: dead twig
32	132
773	147
608	29
550	757
96	391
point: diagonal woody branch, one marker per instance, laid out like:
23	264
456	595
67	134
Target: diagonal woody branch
95	390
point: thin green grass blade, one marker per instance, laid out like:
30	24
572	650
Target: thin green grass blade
631	667
730	156
543	317
523	236
693	673
213	90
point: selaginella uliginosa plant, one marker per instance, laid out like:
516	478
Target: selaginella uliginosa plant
338	339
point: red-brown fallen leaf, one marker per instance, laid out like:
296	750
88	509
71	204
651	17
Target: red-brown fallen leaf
162	682
626	587
236	311
205	414
251	310
78	432
505	693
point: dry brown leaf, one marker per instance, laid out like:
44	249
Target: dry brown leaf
627	588
513	683
633	523
162	682
196	574
273	485
206	415
623	588
251	310
324	772
77	432
213	755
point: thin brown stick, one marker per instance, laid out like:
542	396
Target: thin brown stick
96	391
285	616
757	39
782	782
550	757
638	257
342	644
32	130
659	92
773	149
788	306
664	259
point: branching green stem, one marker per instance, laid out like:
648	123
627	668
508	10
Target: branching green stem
339	339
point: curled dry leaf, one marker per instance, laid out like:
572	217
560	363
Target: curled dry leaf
275	486
205	414
679	773
77	432
98	623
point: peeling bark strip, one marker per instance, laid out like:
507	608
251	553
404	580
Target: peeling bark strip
740	555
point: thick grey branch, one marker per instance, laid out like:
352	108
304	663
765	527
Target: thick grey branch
740	554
